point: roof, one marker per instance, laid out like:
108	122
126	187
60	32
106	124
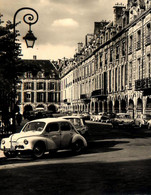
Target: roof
49	120
41	65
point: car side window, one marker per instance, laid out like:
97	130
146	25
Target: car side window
65	126
52	127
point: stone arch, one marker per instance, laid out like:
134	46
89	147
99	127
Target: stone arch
110	107
139	104
148	103
131	108
92	107
123	105
116	106
28	108
105	106
96	107
100	106
52	108
40	106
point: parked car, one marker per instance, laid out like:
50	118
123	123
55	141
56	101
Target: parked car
142	120
122	119
44	135
79	123
149	124
107	117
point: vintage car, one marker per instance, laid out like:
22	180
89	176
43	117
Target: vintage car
123	119
44	135
149	124
142	120
79	123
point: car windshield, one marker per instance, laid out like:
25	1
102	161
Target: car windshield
34	126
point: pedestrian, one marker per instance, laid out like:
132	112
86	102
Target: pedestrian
19	119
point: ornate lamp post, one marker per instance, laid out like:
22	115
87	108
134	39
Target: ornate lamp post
29	19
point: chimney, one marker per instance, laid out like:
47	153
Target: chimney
80	46
118	12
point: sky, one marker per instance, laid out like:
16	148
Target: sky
61	24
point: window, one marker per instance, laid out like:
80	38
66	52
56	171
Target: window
65	126
28	75
52	127
139	68
100	60
130	74
126	74
130	44
40	86
116	76
40	97
106	58
111	55
149	65
109	80
28	85
148	34
123	48
51	86
138	44
117	52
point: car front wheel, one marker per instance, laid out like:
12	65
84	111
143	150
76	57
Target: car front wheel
38	150
77	147
10	154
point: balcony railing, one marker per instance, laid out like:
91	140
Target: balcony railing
99	93
143	84
84	97
148	40
130	50
138	45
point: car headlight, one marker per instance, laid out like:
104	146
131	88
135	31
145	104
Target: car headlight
3	141
25	141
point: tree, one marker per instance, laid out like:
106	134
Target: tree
10	69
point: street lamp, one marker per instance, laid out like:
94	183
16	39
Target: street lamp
30	20
29	38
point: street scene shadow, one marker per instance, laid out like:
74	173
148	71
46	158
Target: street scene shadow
93	147
100	131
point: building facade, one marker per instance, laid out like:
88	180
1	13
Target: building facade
111	71
39	87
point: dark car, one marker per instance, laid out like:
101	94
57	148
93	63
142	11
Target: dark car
123	119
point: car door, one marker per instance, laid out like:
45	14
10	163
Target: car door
66	134
53	133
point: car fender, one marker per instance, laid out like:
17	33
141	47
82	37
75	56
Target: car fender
79	137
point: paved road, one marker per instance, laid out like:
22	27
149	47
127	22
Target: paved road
106	150
117	161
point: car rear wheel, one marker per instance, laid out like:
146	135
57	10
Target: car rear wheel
77	147
38	150
10	154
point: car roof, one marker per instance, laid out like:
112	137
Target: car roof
67	117
122	114
48	120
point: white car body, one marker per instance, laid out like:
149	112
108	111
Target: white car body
78	122
51	134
